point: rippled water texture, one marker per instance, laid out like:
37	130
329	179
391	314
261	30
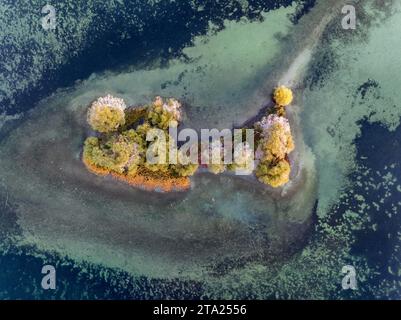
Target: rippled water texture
222	220
235	237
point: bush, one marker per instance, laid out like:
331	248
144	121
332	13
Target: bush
185	170
243	158
106	114
274	174
282	96
277	144
216	168
273	147
133	116
163	114
116	153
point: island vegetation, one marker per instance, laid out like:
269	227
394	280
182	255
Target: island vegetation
119	146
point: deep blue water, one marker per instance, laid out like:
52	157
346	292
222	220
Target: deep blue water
163	37
20	275
151	32
159	32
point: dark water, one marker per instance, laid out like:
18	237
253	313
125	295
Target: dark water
150	32
21	271
377	149
155	35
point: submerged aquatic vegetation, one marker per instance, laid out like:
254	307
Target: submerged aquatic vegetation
328	125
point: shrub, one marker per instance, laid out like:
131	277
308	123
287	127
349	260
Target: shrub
106	114
164	113
276	141
215	154
243	158
275	144
116	153
274	174
216	168
185	170
282	96
133	116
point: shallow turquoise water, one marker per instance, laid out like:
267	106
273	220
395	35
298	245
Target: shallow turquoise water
226	238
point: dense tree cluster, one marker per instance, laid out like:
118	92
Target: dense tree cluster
122	146
106	114
275	143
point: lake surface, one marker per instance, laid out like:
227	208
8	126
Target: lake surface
226	237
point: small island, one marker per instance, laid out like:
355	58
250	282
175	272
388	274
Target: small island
120	143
